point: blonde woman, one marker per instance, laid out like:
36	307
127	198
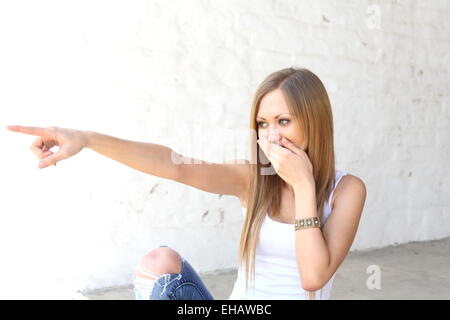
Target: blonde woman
300	214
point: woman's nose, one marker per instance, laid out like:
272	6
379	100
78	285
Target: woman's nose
274	135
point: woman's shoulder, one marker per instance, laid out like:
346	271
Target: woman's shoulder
349	184
349	178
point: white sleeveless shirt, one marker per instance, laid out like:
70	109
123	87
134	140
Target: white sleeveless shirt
276	271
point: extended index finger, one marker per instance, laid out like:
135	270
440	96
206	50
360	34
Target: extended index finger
35	131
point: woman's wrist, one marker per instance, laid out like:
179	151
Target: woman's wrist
305	187
305	203
304	192
88	137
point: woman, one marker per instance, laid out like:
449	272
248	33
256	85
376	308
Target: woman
300	214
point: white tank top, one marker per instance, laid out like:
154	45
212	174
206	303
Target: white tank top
276	271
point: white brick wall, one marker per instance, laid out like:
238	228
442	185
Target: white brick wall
182	73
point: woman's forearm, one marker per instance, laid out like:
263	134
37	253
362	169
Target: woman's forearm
311	248
154	159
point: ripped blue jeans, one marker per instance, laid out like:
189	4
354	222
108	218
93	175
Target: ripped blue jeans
185	285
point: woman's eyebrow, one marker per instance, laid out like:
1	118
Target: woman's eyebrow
275	117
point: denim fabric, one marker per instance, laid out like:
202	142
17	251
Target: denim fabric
186	285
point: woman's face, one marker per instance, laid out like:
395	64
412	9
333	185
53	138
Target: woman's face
274	120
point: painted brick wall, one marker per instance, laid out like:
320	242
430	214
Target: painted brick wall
182	74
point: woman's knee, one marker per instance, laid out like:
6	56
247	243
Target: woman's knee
160	261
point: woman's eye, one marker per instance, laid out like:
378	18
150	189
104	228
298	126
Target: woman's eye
260	124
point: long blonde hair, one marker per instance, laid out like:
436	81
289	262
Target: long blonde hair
309	104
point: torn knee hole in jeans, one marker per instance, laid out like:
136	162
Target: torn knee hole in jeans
145	283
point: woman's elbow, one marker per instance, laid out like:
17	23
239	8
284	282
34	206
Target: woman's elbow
311	284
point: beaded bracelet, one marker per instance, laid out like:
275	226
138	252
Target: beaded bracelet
306	223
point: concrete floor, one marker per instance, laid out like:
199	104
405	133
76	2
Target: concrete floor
416	270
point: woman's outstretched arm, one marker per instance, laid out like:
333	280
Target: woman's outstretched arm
151	158
222	178
229	178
